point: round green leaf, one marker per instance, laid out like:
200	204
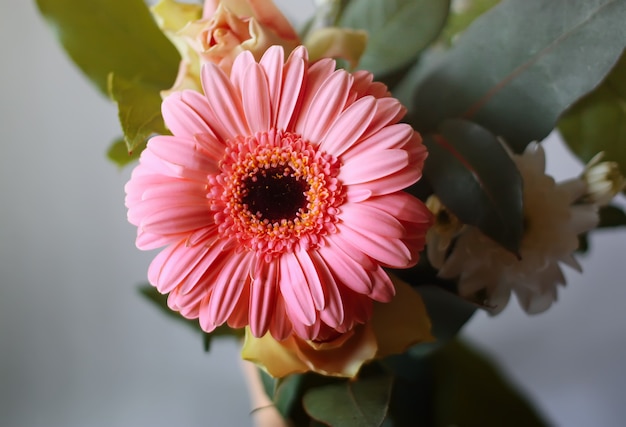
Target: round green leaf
360	403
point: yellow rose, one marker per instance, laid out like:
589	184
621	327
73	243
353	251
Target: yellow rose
222	29
394	327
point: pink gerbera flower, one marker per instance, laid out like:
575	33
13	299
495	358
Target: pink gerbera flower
279	197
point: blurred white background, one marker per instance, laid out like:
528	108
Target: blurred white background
80	347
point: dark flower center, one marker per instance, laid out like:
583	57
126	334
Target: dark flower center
275	194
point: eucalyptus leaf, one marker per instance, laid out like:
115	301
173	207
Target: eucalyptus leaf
545	56
462	16
120	36
139	111
473	175
597	122
398	29
160	301
358	403
470	391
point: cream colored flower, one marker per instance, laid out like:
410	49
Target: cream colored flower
487	273
604	181
222	29
395	326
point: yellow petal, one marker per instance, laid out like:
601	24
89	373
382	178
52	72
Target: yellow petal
401	323
278	358
172	16
343	359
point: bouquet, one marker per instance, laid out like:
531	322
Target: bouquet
343	198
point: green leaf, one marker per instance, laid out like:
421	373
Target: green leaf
398	29
120	36
472	174
448	313
160	301
470	391
520	65
118	153
360	403
611	216
461	17
597	122
139	111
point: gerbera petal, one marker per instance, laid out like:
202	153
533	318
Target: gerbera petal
281	327
263	296
223	100
316	75
333	313
372	165
176	219
256	99
238	71
390	137
291	91
184	155
273	62
346	270
349	126
172	265
228	287
181	117
383	289
328	103
295	290
363	215
312	276
390	252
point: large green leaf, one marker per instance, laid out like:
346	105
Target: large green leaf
520	65
120	36
598	121
398	29
469	391
360	403
473	175
139	110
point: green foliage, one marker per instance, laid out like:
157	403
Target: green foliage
470	391
398	29
160	301
520	65
119	36
117	44
139	110
597	122
460	20
118	152
612	216
477	180
361	403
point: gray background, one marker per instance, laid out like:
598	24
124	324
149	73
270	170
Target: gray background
79	346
